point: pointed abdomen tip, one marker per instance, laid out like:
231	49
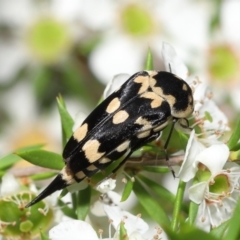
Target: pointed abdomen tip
58	183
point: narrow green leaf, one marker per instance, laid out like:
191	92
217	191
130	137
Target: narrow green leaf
67	210
164	194
127	189
42	176
177	205
1	174
149	60
233	232
154	210
235	136
43	158
220	231
123	232
8	160
193	209
188	232
63	193
66	120
236	147
44	236
83	204
31	147
156	169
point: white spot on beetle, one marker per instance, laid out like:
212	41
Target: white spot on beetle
81	132
91	150
144	80
122	147
156	100
91	167
143	134
67	176
113	105
184	87
120	117
80	175
104	160
160	127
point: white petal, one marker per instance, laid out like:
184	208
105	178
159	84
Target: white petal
116	55
196	192
132	223
171	58
73	229
229	20
136	236
106	186
116	82
214	157
9	185
12	58
189	167
219	120
203	220
97	15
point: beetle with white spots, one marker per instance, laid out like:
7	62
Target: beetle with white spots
130	117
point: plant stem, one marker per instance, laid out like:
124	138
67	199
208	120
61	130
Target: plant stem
177	205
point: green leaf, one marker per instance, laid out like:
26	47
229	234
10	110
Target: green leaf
164	194
123	232
44	236
67	210
127	189
83	203
63	193
188	232
156	169
235	136
154	210
193	209
31	147
234	229
236	147
8	160
42	176
177	205
66	120
220	231
149	60
43	158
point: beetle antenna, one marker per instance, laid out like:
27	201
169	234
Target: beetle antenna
166	145
170	69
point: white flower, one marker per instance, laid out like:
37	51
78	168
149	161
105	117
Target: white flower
73	229
33	27
217	191
134	225
189	166
9	185
173	62
131	26
106	186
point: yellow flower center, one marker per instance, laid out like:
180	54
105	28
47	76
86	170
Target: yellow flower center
137	21
223	64
48	39
220	184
